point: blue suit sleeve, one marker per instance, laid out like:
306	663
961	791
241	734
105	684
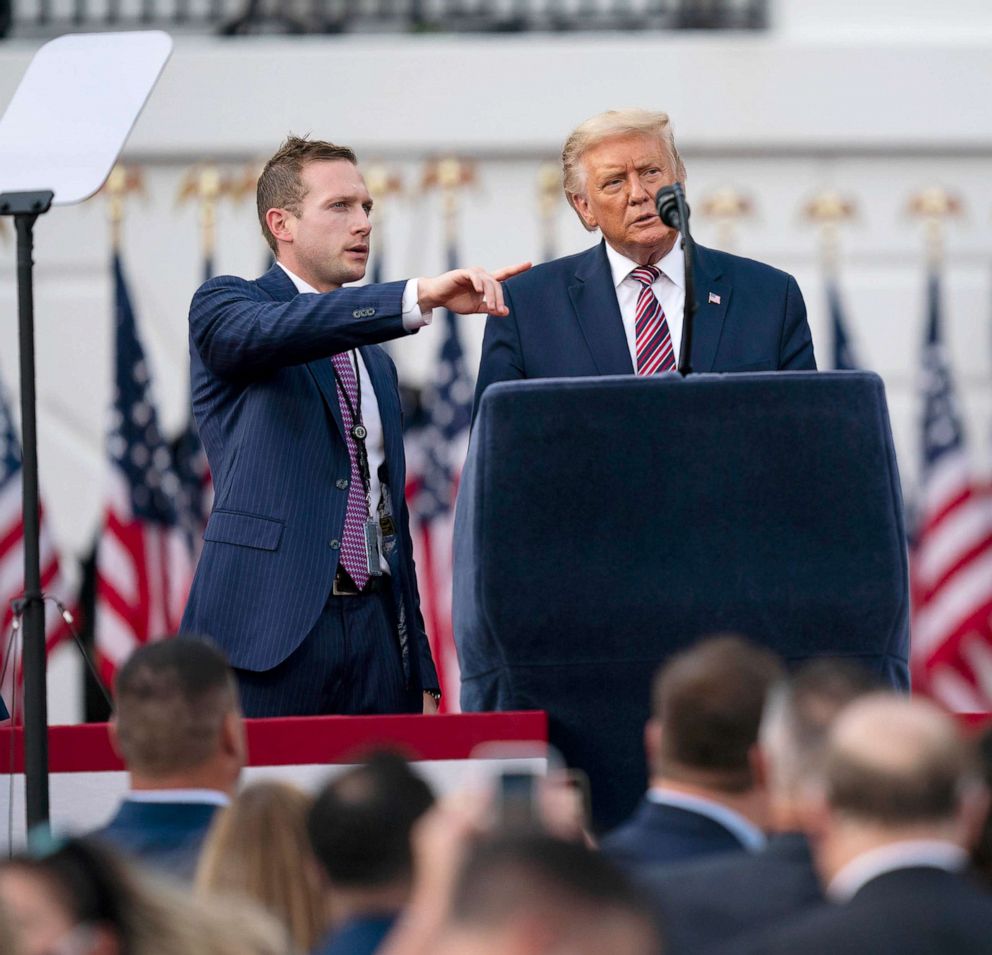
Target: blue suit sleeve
796	349
502	356
237	331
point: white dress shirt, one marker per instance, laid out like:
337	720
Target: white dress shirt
908	854
669	289
209	797
413	319
750	836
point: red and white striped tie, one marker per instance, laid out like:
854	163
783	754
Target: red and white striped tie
654	341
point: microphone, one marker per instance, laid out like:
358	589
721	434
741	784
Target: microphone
669	206
673	210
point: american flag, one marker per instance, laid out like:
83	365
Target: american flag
12	566
437	461
144	563
844	356
952	560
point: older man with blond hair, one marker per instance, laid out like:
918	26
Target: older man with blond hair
617	308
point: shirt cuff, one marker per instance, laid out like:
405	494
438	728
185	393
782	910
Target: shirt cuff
413	317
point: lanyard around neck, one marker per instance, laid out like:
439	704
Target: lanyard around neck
358	430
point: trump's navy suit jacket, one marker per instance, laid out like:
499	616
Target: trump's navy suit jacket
565	322
266	406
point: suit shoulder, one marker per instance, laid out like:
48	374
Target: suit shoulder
548	273
227	285
741	267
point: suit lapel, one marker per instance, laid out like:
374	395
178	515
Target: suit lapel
279	286
710	315
594	299
323	373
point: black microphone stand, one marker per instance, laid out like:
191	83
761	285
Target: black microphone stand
674	212
25	207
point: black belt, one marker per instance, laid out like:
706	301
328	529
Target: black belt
344	586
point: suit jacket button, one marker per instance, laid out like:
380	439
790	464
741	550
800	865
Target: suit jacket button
341	484
334	544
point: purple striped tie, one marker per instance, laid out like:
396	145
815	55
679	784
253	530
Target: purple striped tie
353	555
654	341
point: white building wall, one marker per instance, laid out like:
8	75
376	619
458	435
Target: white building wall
847	95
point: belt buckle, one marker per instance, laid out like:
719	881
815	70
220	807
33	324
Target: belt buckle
336	588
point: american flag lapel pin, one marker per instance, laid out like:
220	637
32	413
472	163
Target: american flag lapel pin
714	299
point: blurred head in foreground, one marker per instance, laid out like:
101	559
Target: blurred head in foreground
360	827
532	894
794	729
177	723
707	703
896	770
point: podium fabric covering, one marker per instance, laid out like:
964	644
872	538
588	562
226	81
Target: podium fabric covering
604	524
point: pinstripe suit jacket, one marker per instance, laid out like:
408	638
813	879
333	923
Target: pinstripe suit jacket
266	406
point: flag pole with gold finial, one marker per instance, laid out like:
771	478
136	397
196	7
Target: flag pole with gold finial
123	181
935	206
205	185
450	175
828	210
727	206
549	196
383	183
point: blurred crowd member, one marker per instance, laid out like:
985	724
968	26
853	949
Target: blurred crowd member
708	902
982	856
178	729
706	794
9	943
360	827
81	899
537	895
903	801
258	848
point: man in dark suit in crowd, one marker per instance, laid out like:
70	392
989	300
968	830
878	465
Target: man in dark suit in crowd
903	802
177	727
360	827
710	902
616	309
707	790
306	579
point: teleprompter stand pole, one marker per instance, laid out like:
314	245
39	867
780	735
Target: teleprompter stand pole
25	207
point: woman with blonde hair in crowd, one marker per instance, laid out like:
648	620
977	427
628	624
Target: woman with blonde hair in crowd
258	848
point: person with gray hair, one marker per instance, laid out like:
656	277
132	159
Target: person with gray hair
902	801
617	308
710	902
178	729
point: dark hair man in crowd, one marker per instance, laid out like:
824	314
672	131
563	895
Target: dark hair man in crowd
903	803
177	727
616	309
707	791
360	828
307	579
537	895
709	902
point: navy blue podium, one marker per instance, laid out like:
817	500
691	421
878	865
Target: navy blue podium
604	524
